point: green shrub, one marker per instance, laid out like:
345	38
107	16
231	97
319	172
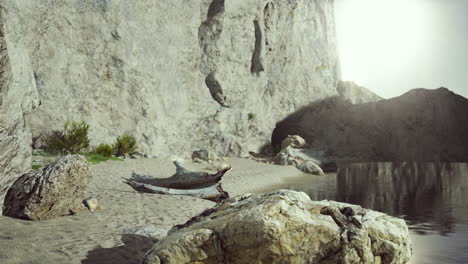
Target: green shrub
104	150
98	158
125	144
36	167
251	116
72	139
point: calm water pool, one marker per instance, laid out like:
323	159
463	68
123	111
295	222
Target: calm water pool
432	198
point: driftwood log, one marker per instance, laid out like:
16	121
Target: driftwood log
183	182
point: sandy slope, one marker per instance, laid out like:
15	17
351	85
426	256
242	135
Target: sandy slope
96	237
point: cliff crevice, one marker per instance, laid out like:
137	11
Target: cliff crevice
163	70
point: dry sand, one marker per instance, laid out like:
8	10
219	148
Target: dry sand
97	237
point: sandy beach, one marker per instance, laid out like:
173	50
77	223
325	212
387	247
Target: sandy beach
97	237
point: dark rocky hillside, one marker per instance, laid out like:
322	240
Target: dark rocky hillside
421	125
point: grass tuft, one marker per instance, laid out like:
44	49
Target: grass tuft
36	167
97	158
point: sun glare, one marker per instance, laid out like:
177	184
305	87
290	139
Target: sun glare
378	36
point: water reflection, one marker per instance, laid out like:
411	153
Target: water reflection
427	195
431	197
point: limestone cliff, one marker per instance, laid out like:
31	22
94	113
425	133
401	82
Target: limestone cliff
179	74
18	96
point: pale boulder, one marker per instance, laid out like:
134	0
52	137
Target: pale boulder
293	141
295	151
92	204
56	190
310	167
148	230
285	227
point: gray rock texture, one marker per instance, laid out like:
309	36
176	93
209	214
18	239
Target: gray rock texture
295	151
150	231
56	190
310	167
285	227
421	125
92	204
179	75
18	95
203	155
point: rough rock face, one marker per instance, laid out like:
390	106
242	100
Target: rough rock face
18	96
179	75
203	155
295	151
293	141
356	94
56	190
421	125
285	227
310	167
92	204
150	231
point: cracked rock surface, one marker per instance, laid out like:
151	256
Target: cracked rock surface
179	75
56	190
285	227
18	96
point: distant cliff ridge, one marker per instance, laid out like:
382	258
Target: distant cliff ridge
421	125
179	75
356	94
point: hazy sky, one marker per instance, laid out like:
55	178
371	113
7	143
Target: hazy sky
392	46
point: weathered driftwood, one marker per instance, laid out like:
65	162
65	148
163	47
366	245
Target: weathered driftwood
183	182
345	217
213	193
182	179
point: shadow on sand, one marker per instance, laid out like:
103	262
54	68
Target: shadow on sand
131	253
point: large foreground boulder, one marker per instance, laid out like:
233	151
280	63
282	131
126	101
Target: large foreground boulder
58	189
285	227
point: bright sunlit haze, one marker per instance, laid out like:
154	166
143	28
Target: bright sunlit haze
392	46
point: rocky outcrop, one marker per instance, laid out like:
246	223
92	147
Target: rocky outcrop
310	167
285	227
18	96
356	94
421	125
149	231
295	151
203	155
179	75
56	190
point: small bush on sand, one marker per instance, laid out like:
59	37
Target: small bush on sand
124	145
104	150
72	139
98	158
